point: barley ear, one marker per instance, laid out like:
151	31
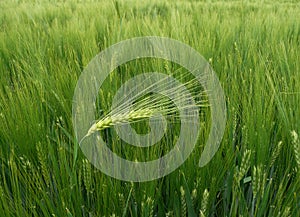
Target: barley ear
275	153
204	204
109	121
254	182
286	212
150	204
259	178
87	174
43	163
296	147
25	163
245	164
122	201
183	202
194	197
170	214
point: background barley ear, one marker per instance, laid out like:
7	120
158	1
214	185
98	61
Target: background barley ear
25	163
194	197
122	202
263	181
2	194
87	174
183	202
286	212
259	178
170	214
69	214
255	181
150	205
245	164
275	153
296	147
204	204
43	163
234	124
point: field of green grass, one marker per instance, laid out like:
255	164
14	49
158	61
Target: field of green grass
254	48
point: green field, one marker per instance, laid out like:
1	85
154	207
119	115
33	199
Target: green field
254	48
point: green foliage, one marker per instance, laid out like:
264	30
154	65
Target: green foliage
253	46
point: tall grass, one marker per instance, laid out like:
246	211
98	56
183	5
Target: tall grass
252	46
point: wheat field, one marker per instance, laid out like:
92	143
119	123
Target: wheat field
253	47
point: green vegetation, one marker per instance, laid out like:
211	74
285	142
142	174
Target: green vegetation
253	46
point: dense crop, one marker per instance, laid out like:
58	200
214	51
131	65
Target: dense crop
254	48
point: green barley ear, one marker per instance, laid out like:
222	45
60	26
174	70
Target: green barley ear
259	180
255	181
234	126
25	163
129	109
1	189
245	164
87	174
166	67
148	207
204	204
109	121
275	153
122	201
286	212
170	214
69	214
150	203
296	146
43	163
194	197
183	202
